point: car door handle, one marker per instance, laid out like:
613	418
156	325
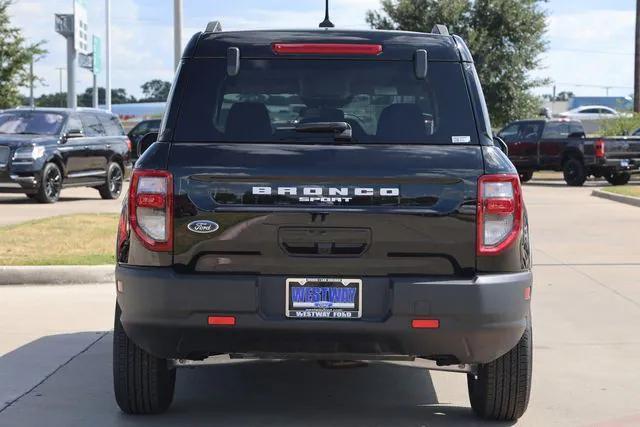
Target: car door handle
86	147
108	146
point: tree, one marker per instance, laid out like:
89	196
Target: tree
85	99
15	57
155	91
504	36
118	96
564	96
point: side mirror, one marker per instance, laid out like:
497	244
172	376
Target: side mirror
74	133
499	142
146	142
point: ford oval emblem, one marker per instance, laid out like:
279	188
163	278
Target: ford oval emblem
203	226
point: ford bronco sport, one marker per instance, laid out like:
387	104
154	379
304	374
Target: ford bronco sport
325	195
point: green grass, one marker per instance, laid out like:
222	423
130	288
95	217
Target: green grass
87	239
625	190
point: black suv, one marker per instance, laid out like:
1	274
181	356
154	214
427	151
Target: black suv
43	150
330	195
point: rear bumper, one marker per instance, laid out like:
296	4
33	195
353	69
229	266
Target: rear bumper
166	314
631	166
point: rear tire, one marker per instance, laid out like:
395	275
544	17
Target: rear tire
574	172
525	175
502	388
113	187
50	184
620	178
143	383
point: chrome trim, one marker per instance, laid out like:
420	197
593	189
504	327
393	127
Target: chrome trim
26	179
88	173
399	360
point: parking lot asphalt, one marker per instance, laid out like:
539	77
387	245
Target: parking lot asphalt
55	348
15	208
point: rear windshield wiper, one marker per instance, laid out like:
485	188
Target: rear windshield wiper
341	130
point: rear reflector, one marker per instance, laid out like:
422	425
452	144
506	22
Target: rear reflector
155	201
527	293
326	49
425	323
221	320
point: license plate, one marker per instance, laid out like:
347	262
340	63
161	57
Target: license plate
323	298
624	163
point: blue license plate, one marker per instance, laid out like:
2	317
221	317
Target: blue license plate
323	298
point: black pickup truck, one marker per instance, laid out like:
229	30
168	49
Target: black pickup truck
561	145
325	195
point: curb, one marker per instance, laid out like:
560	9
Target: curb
629	200
56	274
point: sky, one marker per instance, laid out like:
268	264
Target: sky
590	42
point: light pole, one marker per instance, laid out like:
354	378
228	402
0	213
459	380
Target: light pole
72	99
60	70
107	97
636	80
177	32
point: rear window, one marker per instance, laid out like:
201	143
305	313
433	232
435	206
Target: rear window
382	101
556	130
92	125
111	125
521	131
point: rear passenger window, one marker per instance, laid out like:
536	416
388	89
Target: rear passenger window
75	124
92	125
111	125
556	130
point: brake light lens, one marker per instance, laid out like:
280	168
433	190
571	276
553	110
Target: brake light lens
151	208
326	49
499	213
600	148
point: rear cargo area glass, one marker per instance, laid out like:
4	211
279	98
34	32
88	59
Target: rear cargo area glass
382	101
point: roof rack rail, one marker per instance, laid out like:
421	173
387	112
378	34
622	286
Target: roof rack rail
440	29
213	27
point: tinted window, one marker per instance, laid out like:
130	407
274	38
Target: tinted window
575	127
383	101
75	124
31	122
521	131
556	130
111	125
590	111
145	127
92	125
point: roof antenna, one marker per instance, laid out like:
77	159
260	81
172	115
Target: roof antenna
326	23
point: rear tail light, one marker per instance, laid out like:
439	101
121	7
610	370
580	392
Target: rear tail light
151	208
326	49
600	148
499	213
